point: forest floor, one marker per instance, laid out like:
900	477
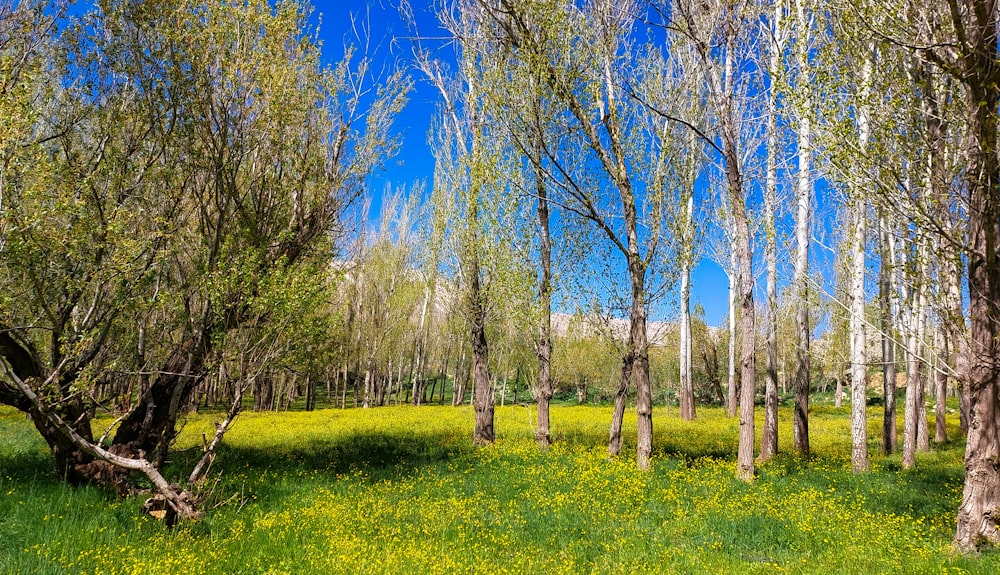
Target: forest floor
401	490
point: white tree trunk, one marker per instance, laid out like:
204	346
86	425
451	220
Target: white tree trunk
889	435
859	360
686	383
803	195
923	372
909	320
769	436
731	390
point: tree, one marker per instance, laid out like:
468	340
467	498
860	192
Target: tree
769	436
886	317
858	322
383	293
476	167
803	198
584	57
193	168
716	32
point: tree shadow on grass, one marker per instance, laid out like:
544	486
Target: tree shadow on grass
376	454
27	466
24	457
921	492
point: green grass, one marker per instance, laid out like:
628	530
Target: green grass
400	490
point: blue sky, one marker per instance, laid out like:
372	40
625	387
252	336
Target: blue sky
415	163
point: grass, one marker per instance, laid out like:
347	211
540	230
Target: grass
400	490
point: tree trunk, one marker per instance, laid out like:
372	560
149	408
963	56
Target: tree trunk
859	341
543	347
980	508
152	422
800	429
368	387
482	387
744	283
889	435
769	436
745	455
686	387
461	378
923	372
684	353
940	385
859	360
912	385
416	365
838	397
954	323
621	399
640	370
731	383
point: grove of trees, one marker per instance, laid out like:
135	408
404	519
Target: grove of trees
185	220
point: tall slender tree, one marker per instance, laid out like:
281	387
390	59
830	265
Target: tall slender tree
858	322
717	32
803	201
776	47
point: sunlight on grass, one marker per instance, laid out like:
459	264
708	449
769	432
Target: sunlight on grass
400	490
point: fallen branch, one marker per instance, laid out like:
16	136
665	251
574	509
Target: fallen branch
208	456
179	504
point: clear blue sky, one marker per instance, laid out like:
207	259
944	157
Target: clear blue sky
415	163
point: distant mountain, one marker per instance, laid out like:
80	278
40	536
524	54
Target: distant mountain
563	324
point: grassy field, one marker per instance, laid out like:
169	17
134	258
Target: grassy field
400	490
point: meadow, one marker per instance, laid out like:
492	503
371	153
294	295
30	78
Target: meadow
401	490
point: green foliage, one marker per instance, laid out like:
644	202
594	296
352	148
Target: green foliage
400	490
183	176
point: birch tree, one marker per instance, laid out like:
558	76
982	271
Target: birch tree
858	322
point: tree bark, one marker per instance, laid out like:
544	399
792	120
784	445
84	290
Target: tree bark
621	398
910	414
482	387
859	361
838	397
732	401
544	345
686	387
979	512
745	455
923	367
152	422
745	278
800	429
889	434
859	342
769	436
22	363
940	385
640	371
